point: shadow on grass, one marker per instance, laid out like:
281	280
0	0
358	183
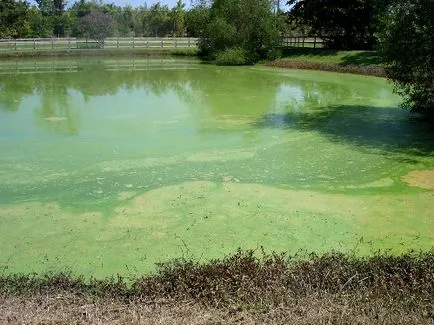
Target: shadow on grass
297	51
358	58
362	58
389	130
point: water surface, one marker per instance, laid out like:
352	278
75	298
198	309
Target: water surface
109	166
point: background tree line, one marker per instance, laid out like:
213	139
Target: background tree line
52	18
343	23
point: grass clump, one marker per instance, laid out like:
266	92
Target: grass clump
184	52
240	288
233	56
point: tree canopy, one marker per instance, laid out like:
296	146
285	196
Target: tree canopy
52	18
408	49
249	25
14	19
344	24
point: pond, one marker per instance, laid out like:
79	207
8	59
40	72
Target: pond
111	165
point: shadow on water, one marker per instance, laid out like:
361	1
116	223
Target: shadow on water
388	130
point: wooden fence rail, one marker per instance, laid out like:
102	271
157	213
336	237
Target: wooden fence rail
33	44
302	41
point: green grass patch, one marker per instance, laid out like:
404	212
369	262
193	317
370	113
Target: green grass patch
326	56
355	62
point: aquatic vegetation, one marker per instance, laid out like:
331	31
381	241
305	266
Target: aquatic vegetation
170	158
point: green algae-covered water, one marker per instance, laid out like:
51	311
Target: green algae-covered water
111	165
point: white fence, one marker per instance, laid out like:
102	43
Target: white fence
38	44
302	41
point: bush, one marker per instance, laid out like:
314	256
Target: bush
184	52
274	54
408	47
234	24
233	56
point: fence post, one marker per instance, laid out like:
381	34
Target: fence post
52	43
69	42
34	44
176	42
15	45
162	43
303	40
86	42
133	41
314	42
117	42
189	42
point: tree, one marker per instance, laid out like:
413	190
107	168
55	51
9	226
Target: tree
60	21
246	24
197	18
96	25
344	24
125	21
408	49
39	25
158	20
14	19
177	15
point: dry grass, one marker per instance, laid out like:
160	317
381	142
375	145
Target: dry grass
239	289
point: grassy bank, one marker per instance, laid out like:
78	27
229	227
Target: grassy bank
100	52
357	62
238	289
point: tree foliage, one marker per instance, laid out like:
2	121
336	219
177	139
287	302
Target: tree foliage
344	24
248	24
14	19
408	48
96	25
196	20
51	18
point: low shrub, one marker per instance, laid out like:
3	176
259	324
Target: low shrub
234	56
274	54
184	52
238	289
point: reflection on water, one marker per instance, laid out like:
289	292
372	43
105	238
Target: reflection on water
53	86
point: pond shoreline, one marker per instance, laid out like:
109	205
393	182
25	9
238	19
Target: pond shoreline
371	70
100	52
238	289
365	70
